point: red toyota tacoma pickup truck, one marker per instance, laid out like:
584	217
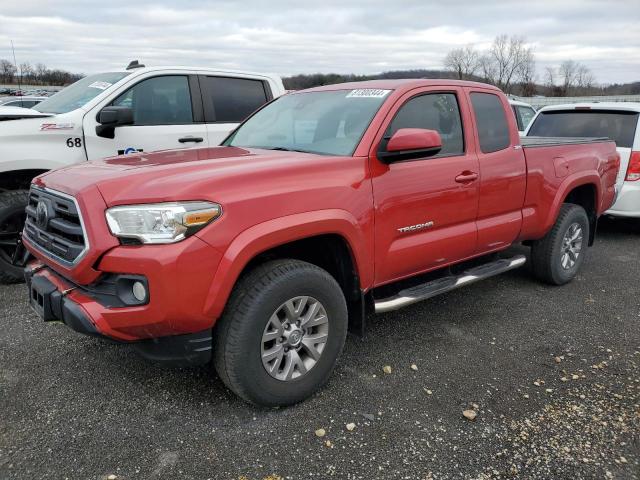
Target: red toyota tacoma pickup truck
259	255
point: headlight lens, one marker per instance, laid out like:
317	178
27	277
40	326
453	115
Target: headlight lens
161	222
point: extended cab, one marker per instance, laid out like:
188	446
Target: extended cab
324	205
138	109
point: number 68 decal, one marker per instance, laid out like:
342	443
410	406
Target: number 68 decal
74	142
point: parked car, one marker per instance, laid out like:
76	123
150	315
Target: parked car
22	102
323	204
139	109
524	113
615	120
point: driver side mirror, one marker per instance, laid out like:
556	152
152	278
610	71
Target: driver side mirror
410	143
111	117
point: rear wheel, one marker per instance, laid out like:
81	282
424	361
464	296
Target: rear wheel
281	334
12	216
557	257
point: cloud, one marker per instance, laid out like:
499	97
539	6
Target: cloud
288	37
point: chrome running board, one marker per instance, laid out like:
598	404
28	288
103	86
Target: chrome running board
446	284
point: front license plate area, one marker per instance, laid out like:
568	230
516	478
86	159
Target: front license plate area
40	298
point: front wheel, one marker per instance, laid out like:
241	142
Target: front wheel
556	258
12	216
281	334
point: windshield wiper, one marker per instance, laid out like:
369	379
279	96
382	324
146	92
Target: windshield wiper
285	149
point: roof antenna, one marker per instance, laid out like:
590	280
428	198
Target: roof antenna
134	64
19	76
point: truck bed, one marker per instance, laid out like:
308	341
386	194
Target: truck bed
532	142
555	161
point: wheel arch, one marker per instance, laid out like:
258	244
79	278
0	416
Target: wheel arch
586	195
19	179
330	239
583	190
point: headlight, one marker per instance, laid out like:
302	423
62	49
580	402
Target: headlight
161	222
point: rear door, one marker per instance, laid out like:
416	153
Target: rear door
425	208
618	125
167	112
503	171
228	101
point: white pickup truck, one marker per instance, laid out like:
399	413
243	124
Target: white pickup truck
118	112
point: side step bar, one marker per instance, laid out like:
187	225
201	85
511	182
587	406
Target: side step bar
446	284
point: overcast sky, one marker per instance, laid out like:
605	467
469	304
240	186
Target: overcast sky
299	36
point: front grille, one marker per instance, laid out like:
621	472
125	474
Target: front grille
54	225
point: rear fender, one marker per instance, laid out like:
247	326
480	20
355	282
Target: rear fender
273	233
564	189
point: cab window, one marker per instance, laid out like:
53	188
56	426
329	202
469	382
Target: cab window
491	122
433	111
162	100
231	100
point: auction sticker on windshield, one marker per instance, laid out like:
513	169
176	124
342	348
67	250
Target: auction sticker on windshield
368	93
100	85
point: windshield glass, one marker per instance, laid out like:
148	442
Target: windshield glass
619	126
329	122
79	93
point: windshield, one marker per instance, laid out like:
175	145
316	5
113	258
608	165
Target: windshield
619	126
329	122
79	93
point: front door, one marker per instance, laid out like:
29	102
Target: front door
164	118
426	208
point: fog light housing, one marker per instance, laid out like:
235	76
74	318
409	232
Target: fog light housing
132	290
139	291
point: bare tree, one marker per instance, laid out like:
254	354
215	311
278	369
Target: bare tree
7	71
527	74
463	61
41	72
26	71
506	61
584	78
550	77
568	71
576	77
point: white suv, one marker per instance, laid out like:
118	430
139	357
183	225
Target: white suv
137	109
615	120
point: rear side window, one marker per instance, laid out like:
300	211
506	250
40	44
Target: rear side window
433	111
491	120
159	101
616	125
231	99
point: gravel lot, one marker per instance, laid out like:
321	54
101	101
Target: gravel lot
552	373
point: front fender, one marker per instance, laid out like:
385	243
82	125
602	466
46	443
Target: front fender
273	233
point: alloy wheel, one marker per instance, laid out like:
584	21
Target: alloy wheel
294	338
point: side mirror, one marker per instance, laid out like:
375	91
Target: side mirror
111	117
408	143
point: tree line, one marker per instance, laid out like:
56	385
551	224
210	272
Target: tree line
37	74
510	64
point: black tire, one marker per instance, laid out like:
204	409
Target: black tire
547	253
238	334
12	205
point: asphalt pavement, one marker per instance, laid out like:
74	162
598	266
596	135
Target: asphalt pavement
551	374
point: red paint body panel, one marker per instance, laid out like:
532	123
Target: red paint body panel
476	202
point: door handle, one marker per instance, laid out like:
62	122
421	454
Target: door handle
467	177
191	139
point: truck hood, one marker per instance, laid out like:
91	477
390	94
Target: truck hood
16	113
174	175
